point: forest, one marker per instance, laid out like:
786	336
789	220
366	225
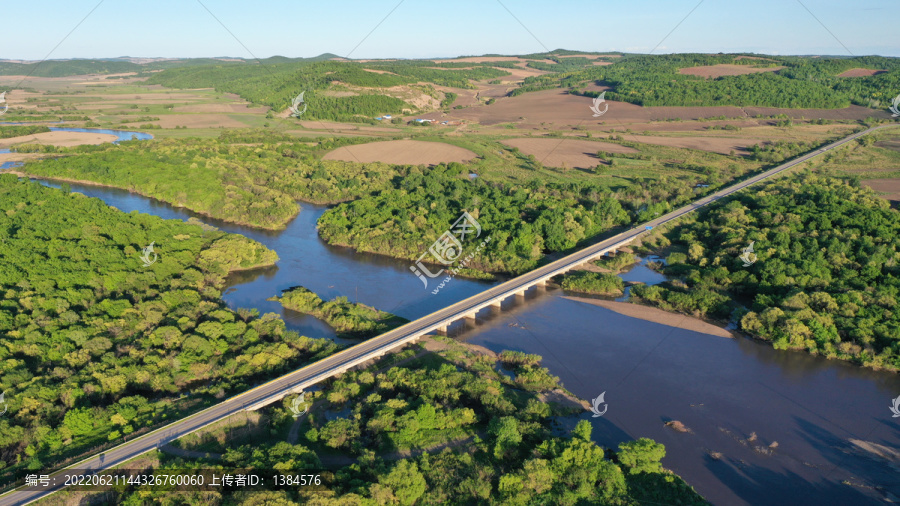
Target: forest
398	441
825	278
523	221
595	283
278	84
655	81
99	346
347	318
255	185
7	131
76	67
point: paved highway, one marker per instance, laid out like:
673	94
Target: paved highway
339	362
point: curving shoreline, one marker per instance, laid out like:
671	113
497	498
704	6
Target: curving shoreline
657	315
131	190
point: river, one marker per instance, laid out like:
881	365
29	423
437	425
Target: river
723	390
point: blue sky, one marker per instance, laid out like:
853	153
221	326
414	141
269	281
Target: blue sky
429	28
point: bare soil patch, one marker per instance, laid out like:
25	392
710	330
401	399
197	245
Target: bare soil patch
402	152
576	153
465	98
656	315
62	139
412	95
552	108
520	73
17	157
555	109
888	188
861	73
479	59
725	69
495	91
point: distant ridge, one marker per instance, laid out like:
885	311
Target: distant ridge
123	64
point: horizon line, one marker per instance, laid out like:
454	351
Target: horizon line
335	56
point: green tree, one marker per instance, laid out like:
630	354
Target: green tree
506	435
405	482
642	456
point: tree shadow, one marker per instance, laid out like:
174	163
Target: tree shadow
760	485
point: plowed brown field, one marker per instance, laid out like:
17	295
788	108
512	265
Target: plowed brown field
575	153
889	187
861	73
712	71
402	152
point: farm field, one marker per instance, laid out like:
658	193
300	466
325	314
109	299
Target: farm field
401	152
724	69
874	162
565	152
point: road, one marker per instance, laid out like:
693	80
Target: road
334	364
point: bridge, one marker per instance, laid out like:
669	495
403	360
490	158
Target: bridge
342	361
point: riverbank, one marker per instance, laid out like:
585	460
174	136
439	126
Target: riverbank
348	318
657	315
85	182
